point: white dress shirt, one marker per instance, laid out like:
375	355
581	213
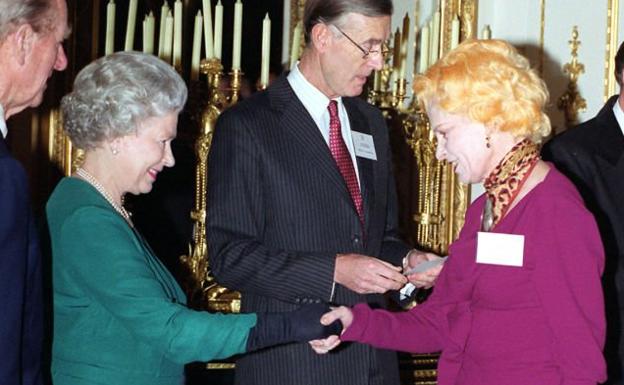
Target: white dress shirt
3	126
315	102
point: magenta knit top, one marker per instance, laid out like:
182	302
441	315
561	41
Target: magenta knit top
542	323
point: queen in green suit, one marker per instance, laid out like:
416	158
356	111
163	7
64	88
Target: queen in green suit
119	315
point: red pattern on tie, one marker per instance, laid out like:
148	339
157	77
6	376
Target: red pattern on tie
341	155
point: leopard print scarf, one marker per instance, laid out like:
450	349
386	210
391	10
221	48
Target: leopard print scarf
504	183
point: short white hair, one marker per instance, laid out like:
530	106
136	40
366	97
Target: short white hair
115	93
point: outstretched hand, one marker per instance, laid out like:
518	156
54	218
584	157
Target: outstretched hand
342	313
300	325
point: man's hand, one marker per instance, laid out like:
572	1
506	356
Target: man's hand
345	316
365	275
425	279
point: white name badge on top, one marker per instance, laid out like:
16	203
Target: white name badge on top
364	145
500	249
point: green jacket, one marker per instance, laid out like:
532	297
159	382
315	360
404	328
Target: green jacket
119	315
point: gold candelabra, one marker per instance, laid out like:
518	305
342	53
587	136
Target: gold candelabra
441	200
202	289
388	92
571	102
428	216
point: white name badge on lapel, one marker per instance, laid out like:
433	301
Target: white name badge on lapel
364	146
500	249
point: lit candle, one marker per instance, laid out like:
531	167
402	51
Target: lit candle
424	50
266	51
164	11
132	11
454	32
177	34
238	33
148	33
197	38
109	46
218	32
296	43
168	41
404	39
393	81
285	31
486	33
435	39
209	40
377	81
144	33
396	51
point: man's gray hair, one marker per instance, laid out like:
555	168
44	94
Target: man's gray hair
40	14
113	95
330	11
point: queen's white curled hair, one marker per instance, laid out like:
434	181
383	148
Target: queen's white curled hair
115	93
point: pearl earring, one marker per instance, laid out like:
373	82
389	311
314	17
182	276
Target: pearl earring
115	151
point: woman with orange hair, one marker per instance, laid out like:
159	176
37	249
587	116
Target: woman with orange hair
519	300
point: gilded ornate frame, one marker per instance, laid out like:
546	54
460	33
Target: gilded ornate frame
454	195
613	16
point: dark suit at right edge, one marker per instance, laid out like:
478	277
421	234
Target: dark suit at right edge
592	156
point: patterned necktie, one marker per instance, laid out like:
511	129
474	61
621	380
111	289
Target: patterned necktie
341	155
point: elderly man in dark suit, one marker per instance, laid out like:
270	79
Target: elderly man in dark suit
592	156
31	36
301	198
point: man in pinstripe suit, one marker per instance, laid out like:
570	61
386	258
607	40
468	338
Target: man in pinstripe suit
286	223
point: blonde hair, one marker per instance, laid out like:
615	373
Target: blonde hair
491	83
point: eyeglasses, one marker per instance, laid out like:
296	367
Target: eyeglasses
367	52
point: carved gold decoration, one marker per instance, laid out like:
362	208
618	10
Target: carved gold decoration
61	152
202	289
442	199
571	102
56	140
420	138
468	19
388	96
613	15
467	11
296	15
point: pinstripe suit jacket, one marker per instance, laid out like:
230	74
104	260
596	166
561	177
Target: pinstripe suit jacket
279	212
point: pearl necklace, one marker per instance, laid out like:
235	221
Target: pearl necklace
81	172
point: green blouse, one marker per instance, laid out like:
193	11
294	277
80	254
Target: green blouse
119	315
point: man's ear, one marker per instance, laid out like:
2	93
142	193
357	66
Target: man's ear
23	40
320	36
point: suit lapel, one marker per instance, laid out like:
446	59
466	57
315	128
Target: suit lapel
609	138
607	144
297	122
359	123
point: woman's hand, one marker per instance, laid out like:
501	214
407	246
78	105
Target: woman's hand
425	279
345	316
